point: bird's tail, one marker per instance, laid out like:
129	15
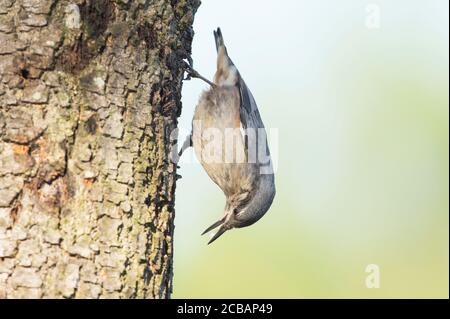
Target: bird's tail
224	63
219	38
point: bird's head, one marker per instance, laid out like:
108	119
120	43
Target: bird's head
243	210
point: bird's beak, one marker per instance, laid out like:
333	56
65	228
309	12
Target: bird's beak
221	230
219	233
216	224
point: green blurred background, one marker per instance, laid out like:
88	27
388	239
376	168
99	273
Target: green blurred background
362	152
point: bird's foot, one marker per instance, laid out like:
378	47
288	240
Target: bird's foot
191	73
187	67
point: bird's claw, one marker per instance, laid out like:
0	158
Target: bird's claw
187	66
189	61
191	73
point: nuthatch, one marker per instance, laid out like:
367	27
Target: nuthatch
248	185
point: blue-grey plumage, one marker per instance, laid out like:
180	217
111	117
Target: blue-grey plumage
226	108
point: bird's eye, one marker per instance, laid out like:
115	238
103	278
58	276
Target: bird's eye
235	211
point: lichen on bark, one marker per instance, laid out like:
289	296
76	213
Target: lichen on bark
89	94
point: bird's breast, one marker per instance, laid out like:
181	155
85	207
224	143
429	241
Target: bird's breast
218	141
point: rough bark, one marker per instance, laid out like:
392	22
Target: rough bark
89	94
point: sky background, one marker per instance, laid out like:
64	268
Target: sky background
362	152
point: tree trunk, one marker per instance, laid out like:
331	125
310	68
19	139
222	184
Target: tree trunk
89	95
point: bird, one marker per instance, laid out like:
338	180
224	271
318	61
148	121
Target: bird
228	109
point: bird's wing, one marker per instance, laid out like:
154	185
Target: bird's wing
249	113
251	121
